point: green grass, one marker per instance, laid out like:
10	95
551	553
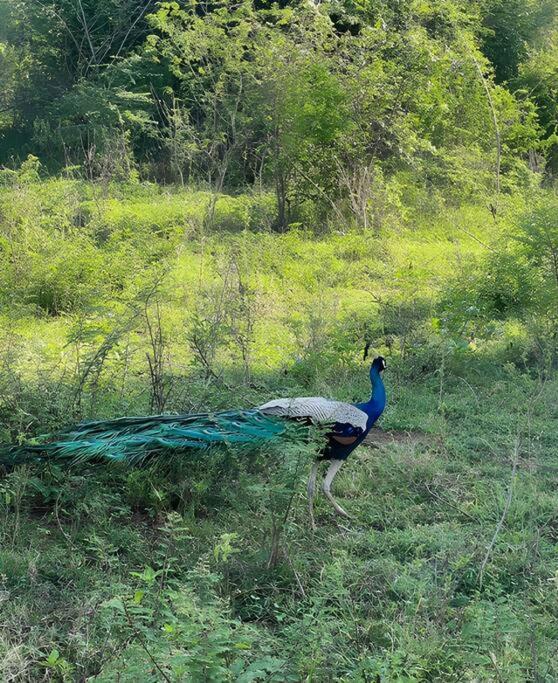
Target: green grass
394	592
448	567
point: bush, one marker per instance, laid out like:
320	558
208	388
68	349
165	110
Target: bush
518	281
245	212
231	214
166	216
66	277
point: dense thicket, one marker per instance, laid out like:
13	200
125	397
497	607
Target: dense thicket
321	102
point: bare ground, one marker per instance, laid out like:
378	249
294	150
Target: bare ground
379	438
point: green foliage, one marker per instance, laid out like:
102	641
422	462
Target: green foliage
327	175
518	281
511	27
538	76
204	568
322	105
233	214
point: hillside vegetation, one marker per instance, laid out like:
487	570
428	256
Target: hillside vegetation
207	205
106	571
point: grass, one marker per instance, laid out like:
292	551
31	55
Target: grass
395	592
447	569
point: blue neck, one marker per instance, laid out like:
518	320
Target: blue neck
376	404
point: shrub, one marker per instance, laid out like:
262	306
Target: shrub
231	214
245	212
65	277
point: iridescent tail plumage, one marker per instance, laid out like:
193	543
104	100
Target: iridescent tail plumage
133	440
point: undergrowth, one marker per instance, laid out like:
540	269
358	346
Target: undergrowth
447	569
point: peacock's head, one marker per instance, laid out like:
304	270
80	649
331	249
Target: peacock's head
379	364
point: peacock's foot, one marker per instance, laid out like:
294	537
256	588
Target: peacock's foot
339	510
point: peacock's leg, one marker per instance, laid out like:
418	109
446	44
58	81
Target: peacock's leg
329	477
312	492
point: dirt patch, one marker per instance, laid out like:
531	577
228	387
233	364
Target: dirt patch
378	438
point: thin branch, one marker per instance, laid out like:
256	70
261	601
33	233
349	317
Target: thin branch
87	35
444	500
297	577
141	641
504	513
320	190
497	135
132	26
474	237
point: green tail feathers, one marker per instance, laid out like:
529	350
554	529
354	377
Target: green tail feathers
132	440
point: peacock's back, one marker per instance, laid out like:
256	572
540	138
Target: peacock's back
317	409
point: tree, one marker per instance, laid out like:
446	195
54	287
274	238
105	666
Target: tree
511	26
54	48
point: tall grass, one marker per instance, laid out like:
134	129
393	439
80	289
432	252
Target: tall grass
131	302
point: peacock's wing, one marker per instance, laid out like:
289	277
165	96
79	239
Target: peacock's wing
345	417
134	439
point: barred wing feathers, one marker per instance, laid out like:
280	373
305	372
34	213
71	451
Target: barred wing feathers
319	410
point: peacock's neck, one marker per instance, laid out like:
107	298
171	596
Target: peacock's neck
375	406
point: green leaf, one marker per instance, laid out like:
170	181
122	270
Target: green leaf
53	657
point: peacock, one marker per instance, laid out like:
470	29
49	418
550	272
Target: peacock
136	440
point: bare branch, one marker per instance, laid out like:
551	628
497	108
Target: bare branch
497	135
504	513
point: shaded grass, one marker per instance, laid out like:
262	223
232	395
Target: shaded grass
393	593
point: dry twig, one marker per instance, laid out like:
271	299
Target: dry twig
504	513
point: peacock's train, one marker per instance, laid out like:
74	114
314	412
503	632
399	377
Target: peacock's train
136	440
